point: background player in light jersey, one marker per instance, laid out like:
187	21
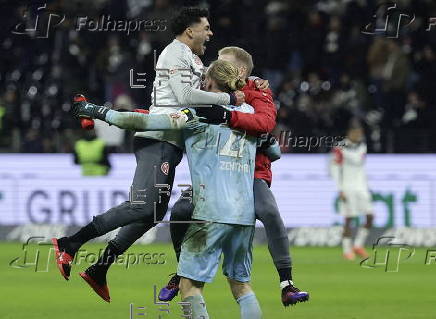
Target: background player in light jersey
348	171
152	149
266	209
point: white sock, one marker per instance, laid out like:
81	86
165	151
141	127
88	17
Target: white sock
286	283
361	236
346	245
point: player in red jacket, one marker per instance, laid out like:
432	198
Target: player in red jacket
259	124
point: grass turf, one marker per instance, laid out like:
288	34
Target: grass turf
338	289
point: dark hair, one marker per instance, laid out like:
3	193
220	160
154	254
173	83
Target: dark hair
186	17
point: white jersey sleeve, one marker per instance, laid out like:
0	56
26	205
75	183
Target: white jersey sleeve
177	84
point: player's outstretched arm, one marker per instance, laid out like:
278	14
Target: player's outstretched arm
187	95
261	122
132	120
147	122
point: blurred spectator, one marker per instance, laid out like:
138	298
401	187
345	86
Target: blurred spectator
33	142
114	65
91	153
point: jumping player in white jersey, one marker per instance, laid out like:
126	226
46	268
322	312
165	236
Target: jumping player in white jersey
347	168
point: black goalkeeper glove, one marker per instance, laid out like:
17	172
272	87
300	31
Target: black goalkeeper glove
215	114
85	109
265	141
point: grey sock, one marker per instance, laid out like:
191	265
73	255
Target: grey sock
249	305
197	307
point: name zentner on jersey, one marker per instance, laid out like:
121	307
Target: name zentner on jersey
234	166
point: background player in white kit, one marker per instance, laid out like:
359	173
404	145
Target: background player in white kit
347	168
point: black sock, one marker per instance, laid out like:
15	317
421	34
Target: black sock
86	233
109	256
178	232
64	244
285	274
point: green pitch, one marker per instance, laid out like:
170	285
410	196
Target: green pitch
338	289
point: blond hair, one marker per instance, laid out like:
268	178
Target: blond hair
226	76
242	57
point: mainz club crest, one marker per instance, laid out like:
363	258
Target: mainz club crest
174	116
165	168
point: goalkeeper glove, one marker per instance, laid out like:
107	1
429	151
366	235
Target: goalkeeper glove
215	114
84	109
268	145
265	141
